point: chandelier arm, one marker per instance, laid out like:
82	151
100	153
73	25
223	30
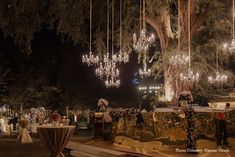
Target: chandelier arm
90	23
189	36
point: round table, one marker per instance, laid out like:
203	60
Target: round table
55	138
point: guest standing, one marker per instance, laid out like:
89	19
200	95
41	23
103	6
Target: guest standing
221	128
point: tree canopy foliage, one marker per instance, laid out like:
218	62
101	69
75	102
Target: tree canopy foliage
210	27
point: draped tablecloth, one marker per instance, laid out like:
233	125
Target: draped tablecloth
24	136
55	138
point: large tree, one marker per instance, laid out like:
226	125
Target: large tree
21	19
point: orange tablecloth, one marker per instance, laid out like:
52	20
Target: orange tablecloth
55	138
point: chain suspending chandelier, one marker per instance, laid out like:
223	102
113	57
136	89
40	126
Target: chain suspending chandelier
179	58
230	47
90	59
189	76
107	68
142	44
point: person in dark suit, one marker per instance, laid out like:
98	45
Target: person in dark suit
221	128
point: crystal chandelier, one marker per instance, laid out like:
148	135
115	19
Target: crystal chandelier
122	56
179	59
142	44
145	72
219	78
107	68
90	58
230	47
189	76
112	82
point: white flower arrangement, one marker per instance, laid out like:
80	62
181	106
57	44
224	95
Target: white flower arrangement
102	102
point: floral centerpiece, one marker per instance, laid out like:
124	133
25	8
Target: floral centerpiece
102	103
185	97
55	118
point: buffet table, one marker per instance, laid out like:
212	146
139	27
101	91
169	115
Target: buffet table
55	138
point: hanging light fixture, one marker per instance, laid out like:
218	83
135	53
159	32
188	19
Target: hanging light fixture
189	76
179	59
219	77
107	68
230	47
122	56
90	58
142	44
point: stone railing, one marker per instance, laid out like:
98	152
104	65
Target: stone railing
169	126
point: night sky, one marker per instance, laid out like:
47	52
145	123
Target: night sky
58	63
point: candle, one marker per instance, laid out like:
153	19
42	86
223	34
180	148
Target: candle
75	118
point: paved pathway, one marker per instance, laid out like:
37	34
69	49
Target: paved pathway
10	148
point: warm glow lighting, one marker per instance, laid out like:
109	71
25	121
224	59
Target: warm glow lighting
219	78
143	42
190	76
145	72
90	59
230	47
178	60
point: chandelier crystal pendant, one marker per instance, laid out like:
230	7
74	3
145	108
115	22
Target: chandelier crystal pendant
190	75
90	59
230	47
145	72
179	58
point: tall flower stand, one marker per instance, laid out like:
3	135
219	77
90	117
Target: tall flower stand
191	130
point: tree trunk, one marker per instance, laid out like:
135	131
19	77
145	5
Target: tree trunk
162	24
